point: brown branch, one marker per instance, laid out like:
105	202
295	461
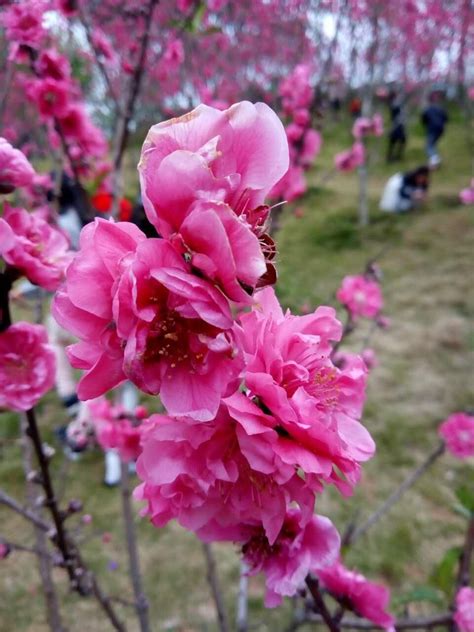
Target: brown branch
84	18
45	566
467	554
313	586
15	506
396	495
416	623
6	88
14	546
215	588
141	603
123	128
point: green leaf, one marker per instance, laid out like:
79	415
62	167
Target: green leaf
465	495
420	594
444	574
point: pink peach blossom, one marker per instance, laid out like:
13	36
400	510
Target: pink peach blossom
213	480
27	366
234	156
312	143
458	434
40	251
315	407
52	64
291	186
51	96
141	313
467	195
350	159
363	126
464	615
361	296
300	546
365	598
15	170
23	22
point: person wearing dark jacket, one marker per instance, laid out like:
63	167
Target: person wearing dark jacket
397	135
434	118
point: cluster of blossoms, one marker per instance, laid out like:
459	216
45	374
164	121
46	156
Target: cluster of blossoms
52	90
304	142
464	616
354	157
259	418
30	247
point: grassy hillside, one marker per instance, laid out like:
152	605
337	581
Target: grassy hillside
425	372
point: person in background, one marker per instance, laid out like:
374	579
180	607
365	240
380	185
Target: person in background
434	118
355	107
405	191
397	137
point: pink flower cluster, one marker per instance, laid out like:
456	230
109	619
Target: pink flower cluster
304	142
350	159
15	170
27	366
37	249
259	419
458	434
365	598
364	126
53	89
361	296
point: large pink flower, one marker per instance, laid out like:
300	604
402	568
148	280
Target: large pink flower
367	599
464	616
141	313
350	159
361	296
212	479
15	170
313	406
40	251
458	434
301	546
27	366
235	156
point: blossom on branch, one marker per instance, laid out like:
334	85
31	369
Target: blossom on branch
301	546
361	296
15	170
40	251
141	313
354	591
464	615
27	366
315	407
458	434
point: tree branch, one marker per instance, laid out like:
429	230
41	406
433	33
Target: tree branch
313	586
215	587
396	495
141	603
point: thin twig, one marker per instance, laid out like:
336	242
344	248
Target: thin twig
313	586
415	623
467	554
126	115
215	588
11	503
141	603
397	494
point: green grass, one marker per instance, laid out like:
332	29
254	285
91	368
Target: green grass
425	372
